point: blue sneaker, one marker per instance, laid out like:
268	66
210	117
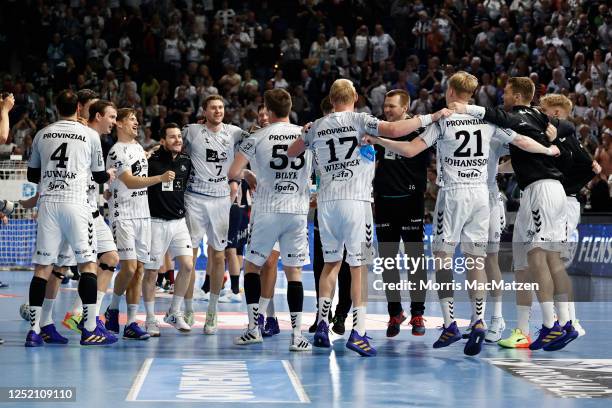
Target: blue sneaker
134	332
360	344
112	320
477	335
260	323
548	336
321	337
449	335
34	340
571	334
95	338
271	327
100	325
50	335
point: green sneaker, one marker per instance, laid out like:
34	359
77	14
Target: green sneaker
71	322
516	340
189	318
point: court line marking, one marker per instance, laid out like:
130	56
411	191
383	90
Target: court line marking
139	380
295	381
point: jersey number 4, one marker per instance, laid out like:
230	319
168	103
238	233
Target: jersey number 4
59	155
279	152
463	150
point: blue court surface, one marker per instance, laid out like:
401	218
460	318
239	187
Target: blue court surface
211	371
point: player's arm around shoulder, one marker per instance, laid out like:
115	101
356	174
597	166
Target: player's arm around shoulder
406	149
406	126
300	144
529	145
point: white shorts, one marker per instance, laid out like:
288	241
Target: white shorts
210	216
291	232
276	246
66	256
462	216
497	221
168	235
573	219
60	224
104	236
133	238
346	224
540	222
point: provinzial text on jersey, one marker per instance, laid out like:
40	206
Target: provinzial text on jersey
64	136
465	122
342	129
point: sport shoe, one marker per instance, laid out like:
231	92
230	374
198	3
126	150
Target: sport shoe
250	336
321	337
96	338
548	336
360	344
210	327
299	343
418	325
152	327
199	294
230	297
133	332
571	334
517	339
51	336
112	320
34	340
189	318
449	335
71	322
271	328
311	329
393	325
477	335
338	326
178	321
100	325
495	330
579	328
159	289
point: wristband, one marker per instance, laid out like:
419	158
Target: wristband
425	120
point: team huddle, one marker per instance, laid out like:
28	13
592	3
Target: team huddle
168	202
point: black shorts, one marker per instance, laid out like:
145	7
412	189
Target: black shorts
238	228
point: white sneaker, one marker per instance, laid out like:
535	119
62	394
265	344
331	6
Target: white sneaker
231	297
496	329
159	289
579	328
189	318
250	336
199	294
210	327
178	321
299	343
152	327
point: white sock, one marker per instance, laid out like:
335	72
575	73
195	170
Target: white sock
296	323
448	310
99	302
212	303
188	305
150	310
253	311
46	316
497	306
263	304
131	313
548	314
89	317
270	310
115	300
35	312
359	315
572	311
324	306
478	308
77	306
175	306
522	318
561	304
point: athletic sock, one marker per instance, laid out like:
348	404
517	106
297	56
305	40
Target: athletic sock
46	316
548	314
131	313
478	308
522	318
252	293
170	276
497	306
263	304
235	282
359	316
561	304
160	279
89	316
88	291
324	308
150	310
295	300
206	285
448	310
212	303
99	302
36	299
175	306
572	311
270	311
188	305
115	301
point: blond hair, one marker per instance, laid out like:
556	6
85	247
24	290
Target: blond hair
463	83
556	101
342	92
523	86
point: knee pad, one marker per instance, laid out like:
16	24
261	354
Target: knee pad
58	275
106	267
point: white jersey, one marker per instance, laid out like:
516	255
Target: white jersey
282	182
463	144
67	153
92	188
126	203
211	153
336	139
497	150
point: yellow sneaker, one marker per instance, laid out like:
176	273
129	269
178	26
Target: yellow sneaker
71	322
516	340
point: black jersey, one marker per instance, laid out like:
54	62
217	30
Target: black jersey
167	200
